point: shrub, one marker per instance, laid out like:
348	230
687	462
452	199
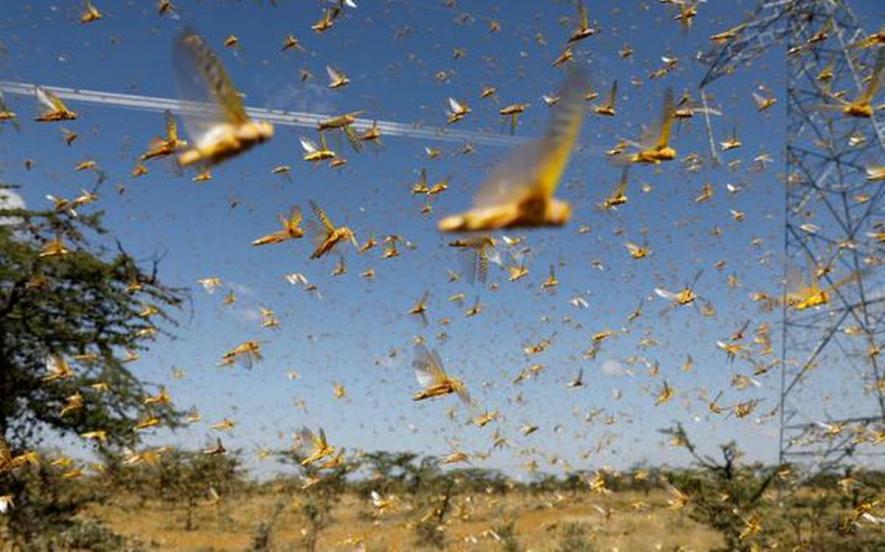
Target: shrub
574	539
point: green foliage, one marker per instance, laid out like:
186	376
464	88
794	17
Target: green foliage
89	535
574	539
430	534
432	505
429	487
87	304
44	517
479	480
187	479
506	531
724	495
739	502
262	535
394	470
544	483
814	515
810	515
651	481
320	497
408	473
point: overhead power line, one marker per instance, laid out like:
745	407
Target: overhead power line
277	116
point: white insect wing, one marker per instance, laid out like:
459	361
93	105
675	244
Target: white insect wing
201	113
308	145
43	98
423	375
52	363
304	439
663	293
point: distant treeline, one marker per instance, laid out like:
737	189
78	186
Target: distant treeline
820	510
408	472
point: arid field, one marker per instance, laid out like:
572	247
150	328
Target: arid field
637	522
193	501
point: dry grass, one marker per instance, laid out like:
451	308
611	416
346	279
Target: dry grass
538	520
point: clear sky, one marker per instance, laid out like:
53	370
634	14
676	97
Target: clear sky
392	50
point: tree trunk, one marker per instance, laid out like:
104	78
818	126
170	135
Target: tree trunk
189	522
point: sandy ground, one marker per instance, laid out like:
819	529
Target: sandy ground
632	526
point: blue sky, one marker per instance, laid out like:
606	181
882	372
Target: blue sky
346	336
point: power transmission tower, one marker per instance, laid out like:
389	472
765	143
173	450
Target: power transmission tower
832	396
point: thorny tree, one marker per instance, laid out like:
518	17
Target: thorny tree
723	494
69	292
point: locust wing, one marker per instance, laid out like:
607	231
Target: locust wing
613	95
322	216
534	169
668	112
583	16
5	455
210	96
474	265
294	220
428	367
308	145
48	100
665	294
245	360
305	439
464	396
5	108
171	127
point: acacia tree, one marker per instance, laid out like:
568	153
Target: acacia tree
390	471
70	290
726	495
189	478
319	495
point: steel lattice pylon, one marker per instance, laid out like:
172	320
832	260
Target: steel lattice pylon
833	226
